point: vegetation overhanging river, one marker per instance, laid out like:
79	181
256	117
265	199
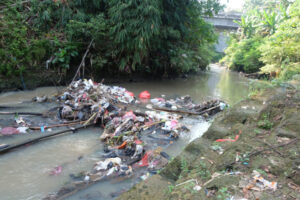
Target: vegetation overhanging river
25	173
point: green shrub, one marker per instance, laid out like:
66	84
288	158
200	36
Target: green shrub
268	40
265	123
281	51
244	55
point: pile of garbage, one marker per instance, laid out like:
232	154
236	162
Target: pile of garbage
124	117
131	126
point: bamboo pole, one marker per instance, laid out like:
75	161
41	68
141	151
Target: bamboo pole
58	125
187	112
39	139
21	113
83	60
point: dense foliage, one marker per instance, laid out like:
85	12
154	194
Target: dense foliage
160	37
244	55
269	39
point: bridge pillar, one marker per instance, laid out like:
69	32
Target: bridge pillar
224	24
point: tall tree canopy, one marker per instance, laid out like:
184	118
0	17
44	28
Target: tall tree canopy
131	36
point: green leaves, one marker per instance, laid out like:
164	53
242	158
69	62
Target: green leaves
244	55
272	46
64	55
133	36
134	25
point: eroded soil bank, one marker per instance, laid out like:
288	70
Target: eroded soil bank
261	161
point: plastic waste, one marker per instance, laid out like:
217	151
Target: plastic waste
20	120
197	188
123	145
56	171
140	119
263	183
145	95
129	115
103	165
87	178
22	129
138	151
85	100
66	111
218	149
154	101
130	93
170	125
230	140
158	101
138	142
258	183
40	99
165	155
145	176
9	131
3	146
111	171
144	162
174	107
222	105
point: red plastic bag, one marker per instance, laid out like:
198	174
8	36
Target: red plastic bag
230	140
145	95
144	162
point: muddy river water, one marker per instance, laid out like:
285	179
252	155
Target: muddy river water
24	174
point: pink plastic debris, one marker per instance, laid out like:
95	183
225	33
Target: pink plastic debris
9	131
56	171
138	142
161	99
129	115
174	124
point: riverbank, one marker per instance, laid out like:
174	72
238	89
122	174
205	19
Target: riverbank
261	161
28	81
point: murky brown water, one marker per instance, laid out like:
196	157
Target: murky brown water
25	173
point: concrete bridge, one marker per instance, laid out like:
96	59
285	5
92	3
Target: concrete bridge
224	23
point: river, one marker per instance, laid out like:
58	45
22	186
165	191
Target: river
25	172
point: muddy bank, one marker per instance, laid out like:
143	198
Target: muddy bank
259	158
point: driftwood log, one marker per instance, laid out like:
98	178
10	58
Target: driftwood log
187	112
